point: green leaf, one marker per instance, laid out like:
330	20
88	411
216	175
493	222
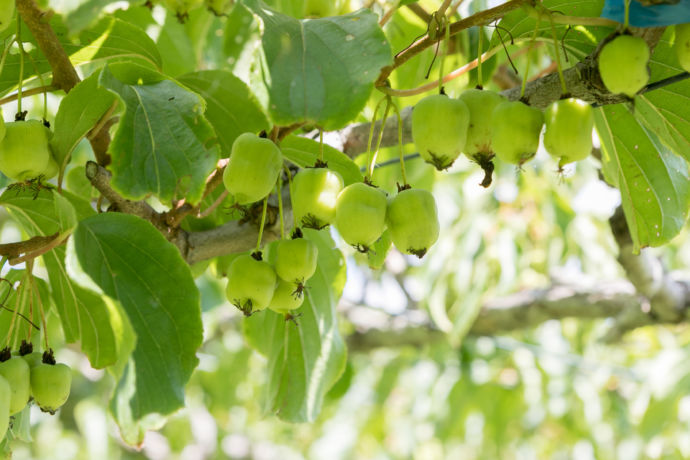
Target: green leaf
231	108
652	180
319	71
79	112
665	111
305	359
579	40
163	144
110	39
304	152
134	264
83	314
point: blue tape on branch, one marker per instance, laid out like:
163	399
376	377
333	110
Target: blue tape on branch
649	13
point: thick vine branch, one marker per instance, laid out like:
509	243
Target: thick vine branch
524	310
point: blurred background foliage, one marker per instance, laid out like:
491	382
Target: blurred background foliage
552	392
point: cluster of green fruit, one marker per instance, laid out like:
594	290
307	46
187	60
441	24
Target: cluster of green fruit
25	150
482	123
360	212
29	374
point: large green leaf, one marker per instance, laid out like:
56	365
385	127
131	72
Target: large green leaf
579	40
109	39
307	358
665	110
320	70
304	152
230	107
653	181
83	314
133	263
163	144
79	112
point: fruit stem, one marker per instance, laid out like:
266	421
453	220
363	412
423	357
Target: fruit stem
21	69
320	145
21	299
626	14
556	45
479	57
40	79
5	52
370	174
280	206
263	223
400	143
445	54
525	76
371	134
288	173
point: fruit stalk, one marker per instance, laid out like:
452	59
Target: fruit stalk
529	51
559	67
400	144
263	223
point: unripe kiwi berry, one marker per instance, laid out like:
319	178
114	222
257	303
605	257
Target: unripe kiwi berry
439	129
296	259
50	385
360	215
314	194
6	13
253	168
5	400
25	150
17	373
412	220
285	298
515	131
481	104
623	65
682	45
568	135
251	283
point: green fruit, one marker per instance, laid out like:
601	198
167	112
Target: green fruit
33	359
568	134
52	169
285	298
320	8
413	221
439	129
17	373
6	14
481	105
25	151
515	131
5	400
3	129
360	215
251	284
314	193
682	45
623	65
296	260
50	385
376	256
253	168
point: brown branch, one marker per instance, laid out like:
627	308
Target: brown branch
523	310
28	92
64	75
14	250
478	19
